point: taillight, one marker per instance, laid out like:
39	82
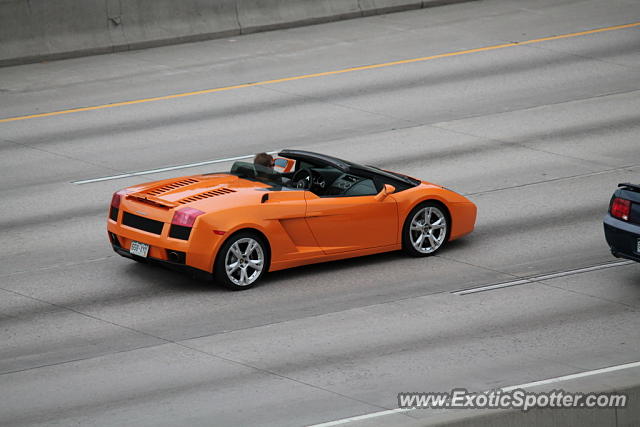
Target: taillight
117	196
115	204
621	208
186	217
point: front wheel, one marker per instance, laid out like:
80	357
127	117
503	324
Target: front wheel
425	230
242	261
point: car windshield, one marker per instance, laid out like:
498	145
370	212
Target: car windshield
257	173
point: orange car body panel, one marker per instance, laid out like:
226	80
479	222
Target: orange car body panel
300	227
344	224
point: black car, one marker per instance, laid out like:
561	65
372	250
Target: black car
622	223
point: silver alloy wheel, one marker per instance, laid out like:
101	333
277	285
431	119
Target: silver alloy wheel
428	229
244	261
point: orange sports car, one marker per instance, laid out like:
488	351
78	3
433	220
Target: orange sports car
235	226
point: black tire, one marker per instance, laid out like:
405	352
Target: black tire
247	261
437	234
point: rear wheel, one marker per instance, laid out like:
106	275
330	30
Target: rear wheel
425	230
242	261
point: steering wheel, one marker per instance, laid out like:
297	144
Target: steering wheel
303	179
308	179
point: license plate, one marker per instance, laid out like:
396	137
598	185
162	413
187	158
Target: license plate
638	246
140	249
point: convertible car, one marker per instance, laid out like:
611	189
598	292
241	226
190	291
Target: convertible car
235	226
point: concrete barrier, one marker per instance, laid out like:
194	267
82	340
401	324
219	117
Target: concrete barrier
262	15
36	30
375	7
147	23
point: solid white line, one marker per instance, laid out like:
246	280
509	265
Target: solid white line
535	279
362	417
574	376
166	169
509	388
494	286
582	270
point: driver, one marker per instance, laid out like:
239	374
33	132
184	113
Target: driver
264	159
263	165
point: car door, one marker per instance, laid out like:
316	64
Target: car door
348	223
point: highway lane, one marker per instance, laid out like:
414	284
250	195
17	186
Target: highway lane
538	136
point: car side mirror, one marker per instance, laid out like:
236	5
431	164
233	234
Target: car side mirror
386	190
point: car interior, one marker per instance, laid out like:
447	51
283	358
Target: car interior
322	180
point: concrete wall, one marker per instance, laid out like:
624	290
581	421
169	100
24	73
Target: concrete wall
35	30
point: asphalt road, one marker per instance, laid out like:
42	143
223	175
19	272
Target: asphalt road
537	135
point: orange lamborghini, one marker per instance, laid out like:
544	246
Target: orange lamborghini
235	226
